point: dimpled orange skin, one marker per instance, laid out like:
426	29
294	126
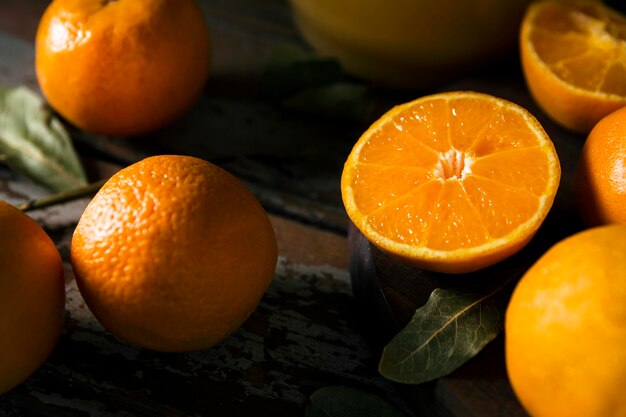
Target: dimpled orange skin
122	67
601	183
565	328
32	296
173	254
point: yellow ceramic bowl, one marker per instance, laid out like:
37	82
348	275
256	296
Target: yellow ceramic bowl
412	43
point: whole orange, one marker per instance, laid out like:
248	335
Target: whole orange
121	67
565	328
601	184
173	253
32	296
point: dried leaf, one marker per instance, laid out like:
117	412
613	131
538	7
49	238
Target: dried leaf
339	401
34	142
451	328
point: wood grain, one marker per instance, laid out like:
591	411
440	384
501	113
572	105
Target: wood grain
304	335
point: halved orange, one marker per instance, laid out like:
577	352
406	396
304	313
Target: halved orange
451	182
574	60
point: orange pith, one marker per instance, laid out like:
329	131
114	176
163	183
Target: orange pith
574	60
451	182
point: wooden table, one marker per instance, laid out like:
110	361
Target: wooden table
307	332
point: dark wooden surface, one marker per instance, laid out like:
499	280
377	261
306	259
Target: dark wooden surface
305	334
308	331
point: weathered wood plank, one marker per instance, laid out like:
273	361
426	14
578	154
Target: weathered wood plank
303	335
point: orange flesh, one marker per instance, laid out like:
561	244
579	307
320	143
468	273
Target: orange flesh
451	173
584	46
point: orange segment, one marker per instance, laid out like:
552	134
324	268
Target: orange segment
506	129
613	77
525	169
378	185
384	147
570	44
574	60
455	221
408	219
452	182
502	208
423	122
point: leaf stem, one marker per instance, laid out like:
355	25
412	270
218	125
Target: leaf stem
62	197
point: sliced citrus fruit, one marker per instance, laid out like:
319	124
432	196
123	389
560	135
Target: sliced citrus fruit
574	60
452	182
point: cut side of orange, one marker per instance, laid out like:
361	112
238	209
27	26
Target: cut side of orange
574	60
452	182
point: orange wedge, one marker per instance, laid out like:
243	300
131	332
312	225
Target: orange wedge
452	182
574	60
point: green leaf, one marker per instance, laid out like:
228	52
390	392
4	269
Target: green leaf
34	142
302	81
291	69
339	401
339	100
451	328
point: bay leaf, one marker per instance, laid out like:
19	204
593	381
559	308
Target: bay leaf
348	101
307	83
291	69
34	142
451	328
341	401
